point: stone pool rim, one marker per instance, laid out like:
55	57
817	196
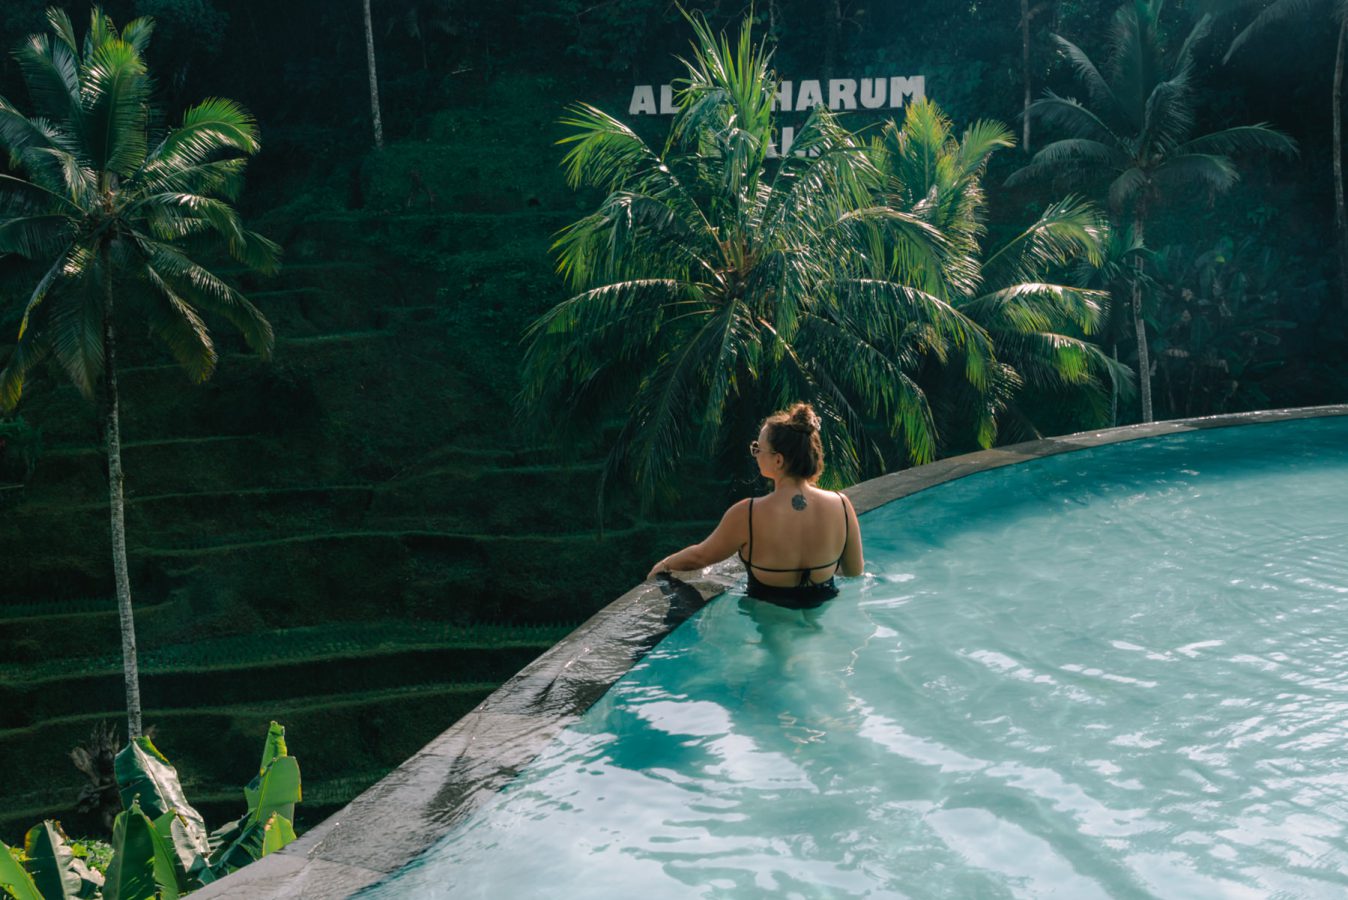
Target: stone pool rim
406	812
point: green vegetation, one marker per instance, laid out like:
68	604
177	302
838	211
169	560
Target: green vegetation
105	209
353	537
1137	133
160	846
715	282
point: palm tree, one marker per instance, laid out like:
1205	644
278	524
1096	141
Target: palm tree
1032	322
715	282
1279	12
374	77
105	205
1137	131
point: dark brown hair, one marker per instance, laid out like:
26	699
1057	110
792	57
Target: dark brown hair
794	433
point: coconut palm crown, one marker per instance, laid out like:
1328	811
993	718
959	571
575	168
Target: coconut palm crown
1137	131
716	282
106	202
1036	324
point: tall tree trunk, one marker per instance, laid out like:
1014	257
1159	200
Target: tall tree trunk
117	505
1025	72
832	37
1140	325
1114	390
374	80
1340	217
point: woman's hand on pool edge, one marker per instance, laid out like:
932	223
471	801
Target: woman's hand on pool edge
721	544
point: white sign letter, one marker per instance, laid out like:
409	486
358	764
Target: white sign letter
783	99
667	100
643	101
873	92
842	93
916	86
810	96
788	138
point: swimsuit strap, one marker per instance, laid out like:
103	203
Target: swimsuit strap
847	526
804	573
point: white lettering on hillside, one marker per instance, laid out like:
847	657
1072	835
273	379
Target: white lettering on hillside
893	92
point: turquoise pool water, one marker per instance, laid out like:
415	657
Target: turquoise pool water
1121	672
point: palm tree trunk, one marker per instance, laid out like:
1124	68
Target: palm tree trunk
1025	72
374	80
1114	390
831	36
1340	216
117	504
1140	324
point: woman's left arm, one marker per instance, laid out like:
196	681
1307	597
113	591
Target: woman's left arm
721	544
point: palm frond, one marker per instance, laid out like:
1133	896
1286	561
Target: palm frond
1067	230
1097	88
1168	117
116	90
51	72
35	236
28	352
1275	13
1261	138
1127	188
211	127
1070	116
173	320
137	33
74	330
1201	171
188	279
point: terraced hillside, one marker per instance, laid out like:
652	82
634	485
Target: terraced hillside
351	538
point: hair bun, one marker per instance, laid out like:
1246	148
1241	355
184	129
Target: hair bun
804	418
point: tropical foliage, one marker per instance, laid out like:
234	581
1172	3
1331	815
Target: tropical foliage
1221	324
105	204
1136	132
1333	13
1037	327
160	846
716	281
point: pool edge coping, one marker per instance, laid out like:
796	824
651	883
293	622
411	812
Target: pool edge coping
459	770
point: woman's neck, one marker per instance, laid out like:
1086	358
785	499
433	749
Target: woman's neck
789	485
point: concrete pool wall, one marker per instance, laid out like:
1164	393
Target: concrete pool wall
410	809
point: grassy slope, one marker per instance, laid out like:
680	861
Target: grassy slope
320	538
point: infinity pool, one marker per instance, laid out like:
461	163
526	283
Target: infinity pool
1118	672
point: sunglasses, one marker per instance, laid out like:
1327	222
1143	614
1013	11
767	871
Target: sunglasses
754	448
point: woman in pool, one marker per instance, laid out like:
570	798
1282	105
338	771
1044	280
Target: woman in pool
793	541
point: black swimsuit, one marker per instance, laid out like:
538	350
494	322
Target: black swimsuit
805	594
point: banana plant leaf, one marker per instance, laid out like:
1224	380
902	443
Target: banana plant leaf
14	881
278	790
56	870
143	772
188	860
239	843
274	746
142	864
276	833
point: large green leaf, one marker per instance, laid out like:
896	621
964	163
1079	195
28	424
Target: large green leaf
14	881
142	864
56	870
142	771
274	746
187	857
276	833
278	790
